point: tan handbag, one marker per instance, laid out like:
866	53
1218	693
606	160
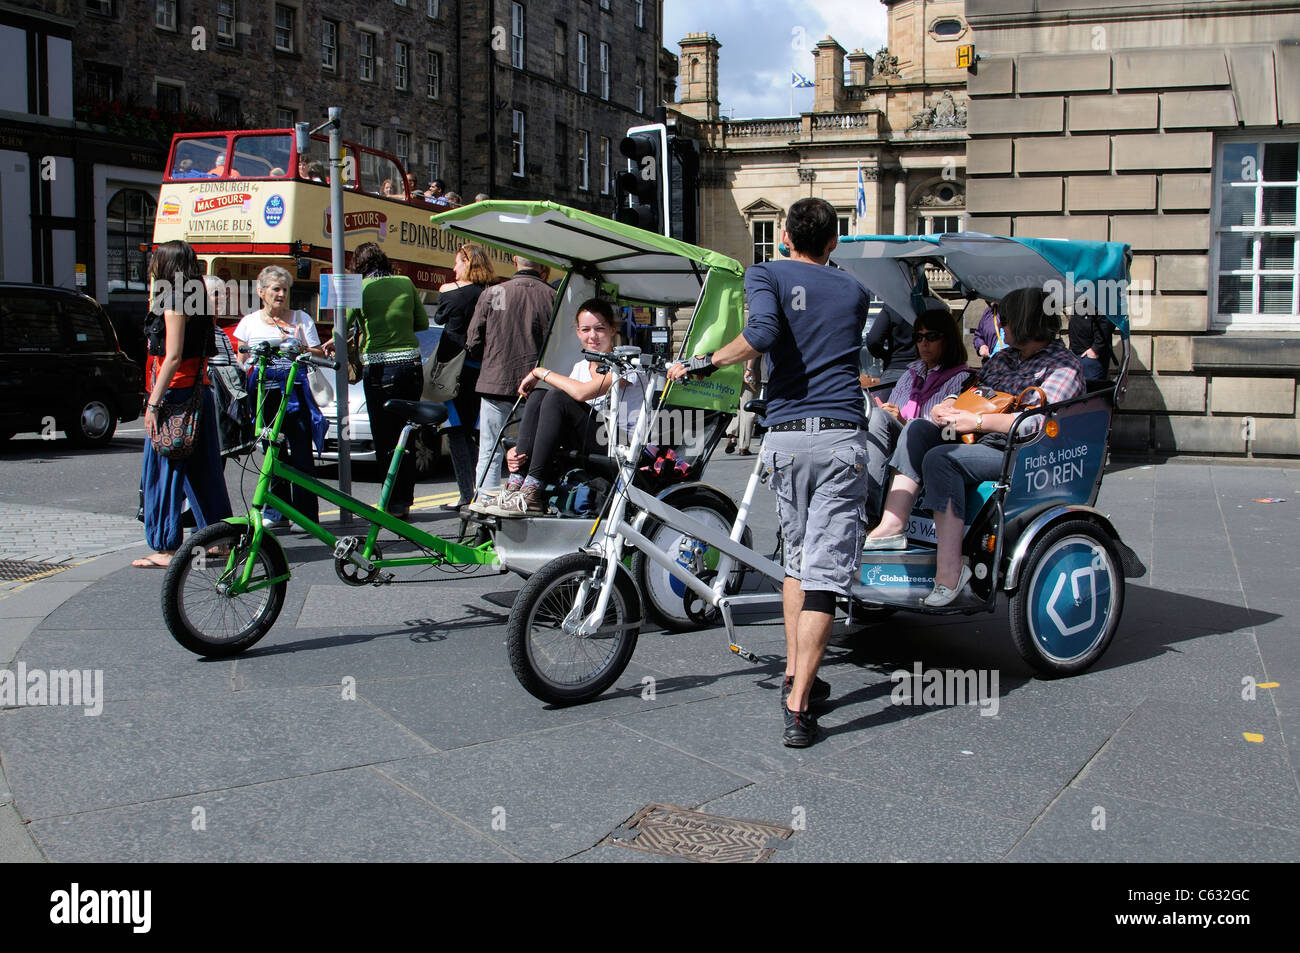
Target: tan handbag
985	400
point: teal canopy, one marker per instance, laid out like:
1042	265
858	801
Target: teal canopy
1089	277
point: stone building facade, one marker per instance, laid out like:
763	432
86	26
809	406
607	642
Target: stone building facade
550	89
414	78
1174	127
899	115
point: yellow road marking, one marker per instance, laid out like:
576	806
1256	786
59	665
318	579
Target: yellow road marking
1268	684
429	502
1251	736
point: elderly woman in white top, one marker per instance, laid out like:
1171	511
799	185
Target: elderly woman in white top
277	323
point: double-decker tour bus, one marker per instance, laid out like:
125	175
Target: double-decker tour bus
248	199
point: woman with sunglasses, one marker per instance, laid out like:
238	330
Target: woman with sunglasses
939	370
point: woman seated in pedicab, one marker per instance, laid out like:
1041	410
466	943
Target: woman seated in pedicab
928	456
940	369
565	417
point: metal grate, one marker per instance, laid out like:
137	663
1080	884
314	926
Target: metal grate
18	570
676	832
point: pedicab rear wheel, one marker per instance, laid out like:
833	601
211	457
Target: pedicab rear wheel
559	666
1071	595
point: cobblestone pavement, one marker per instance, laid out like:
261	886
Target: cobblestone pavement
61	538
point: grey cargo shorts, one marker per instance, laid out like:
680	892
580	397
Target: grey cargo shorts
820	482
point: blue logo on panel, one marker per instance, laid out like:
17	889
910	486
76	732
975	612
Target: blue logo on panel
274	210
1072	599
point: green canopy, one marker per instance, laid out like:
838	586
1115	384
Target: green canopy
644	267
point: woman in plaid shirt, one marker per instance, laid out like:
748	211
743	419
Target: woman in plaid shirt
927	454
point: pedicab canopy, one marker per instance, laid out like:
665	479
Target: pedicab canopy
1090	277
628	263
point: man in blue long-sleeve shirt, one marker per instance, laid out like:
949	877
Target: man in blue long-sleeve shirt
808	319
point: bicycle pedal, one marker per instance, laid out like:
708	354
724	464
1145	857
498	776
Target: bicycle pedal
747	655
346	546
384	578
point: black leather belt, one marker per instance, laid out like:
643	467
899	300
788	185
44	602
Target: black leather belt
806	423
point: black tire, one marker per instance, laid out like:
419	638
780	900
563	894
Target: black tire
94	424
663	593
557	667
201	617
1043	637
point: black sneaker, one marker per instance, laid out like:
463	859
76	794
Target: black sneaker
820	690
800	729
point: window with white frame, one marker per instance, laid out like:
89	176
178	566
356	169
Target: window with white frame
164	16
285	118
584	160
604	71
369	136
402	148
366	57
329	46
284	28
517	35
226	22
433	8
517	140
604	4
582	62
433	157
639	7
764	231
640	86
402	65
433	74
1257	242
941	224
604	165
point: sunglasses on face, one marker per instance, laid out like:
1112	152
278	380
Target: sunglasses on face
929	336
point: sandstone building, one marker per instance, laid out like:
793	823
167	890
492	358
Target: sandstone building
1174	127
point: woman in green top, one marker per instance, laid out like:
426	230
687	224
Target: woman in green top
390	314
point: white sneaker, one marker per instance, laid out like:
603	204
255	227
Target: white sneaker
942	595
484	501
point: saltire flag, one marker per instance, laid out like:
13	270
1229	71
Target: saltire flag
862	194
799	81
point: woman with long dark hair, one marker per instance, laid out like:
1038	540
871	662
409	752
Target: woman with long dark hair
179	345
456	301
390	314
939	370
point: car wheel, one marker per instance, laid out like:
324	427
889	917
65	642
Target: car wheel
94	424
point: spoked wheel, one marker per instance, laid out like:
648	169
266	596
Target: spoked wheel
667	599
550	660
197	605
1071	594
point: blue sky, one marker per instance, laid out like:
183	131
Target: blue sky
764	40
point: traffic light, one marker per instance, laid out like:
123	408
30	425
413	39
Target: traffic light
683	189
643	189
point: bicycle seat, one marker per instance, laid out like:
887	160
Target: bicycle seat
417	411
756	407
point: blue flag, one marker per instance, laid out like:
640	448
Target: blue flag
862	197
800	82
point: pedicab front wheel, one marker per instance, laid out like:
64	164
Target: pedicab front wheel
1066	610
198	607
550	660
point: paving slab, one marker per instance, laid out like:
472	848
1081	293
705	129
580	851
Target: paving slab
1140	831
1195	757
58	761
560	792
349	816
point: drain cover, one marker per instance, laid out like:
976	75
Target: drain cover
18	570
676	832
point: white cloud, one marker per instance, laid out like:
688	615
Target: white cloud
762	45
